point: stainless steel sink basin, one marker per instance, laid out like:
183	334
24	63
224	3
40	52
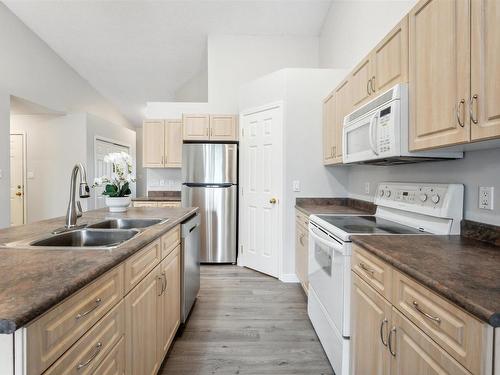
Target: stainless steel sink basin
126	223
87	238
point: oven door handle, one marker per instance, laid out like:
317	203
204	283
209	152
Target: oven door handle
332	244
370	130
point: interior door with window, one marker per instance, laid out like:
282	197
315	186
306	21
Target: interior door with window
261	180
17	179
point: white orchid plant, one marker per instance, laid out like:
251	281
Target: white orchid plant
118	184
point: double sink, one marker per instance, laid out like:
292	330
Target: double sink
105	234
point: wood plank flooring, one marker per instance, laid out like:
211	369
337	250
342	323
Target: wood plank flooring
245	322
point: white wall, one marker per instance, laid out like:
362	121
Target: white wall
107	131
353	28
29	69
54	144
302	91
195	89
141	176
236	60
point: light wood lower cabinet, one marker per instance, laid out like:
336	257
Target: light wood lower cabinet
302	249
412	330
114	362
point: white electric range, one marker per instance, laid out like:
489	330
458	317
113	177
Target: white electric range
402	209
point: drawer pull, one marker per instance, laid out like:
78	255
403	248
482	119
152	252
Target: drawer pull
389	341
383	324
98	348
434	318
301	239
365	268
160	279
97	303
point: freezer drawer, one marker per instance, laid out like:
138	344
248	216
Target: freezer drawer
217	220
209	163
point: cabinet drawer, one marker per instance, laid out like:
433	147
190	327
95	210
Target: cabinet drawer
170	240
464	337
140	264
301	219
145	204
54	332
169	204
86	354
374	271
114	363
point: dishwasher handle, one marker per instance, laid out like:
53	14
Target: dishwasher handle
188	226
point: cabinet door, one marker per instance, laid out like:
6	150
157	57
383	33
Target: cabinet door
153	145
485	71
416	354
343	106
439	73
223	128
141	326
301	251
370	319
169	308
196	127
389	60
360	83
173	143
328	129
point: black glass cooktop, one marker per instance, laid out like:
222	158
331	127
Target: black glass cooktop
367	225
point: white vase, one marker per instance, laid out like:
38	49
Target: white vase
118	204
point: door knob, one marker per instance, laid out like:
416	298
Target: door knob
272	200
19	193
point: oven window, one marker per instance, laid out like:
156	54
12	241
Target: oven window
358	139
323	257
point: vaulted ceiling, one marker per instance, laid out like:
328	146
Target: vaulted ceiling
139	51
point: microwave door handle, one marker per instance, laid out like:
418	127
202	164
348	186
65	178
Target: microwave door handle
370	130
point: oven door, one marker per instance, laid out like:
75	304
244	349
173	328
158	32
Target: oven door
329	264
360	139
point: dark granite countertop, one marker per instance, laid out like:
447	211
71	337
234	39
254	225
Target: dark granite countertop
35	280
311	206
463	270
160	196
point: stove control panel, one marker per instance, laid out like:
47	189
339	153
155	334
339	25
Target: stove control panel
429	199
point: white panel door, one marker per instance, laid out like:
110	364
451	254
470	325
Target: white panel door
16	180
262	174
102	148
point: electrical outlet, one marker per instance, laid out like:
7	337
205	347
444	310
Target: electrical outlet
296	185
367	188
486	197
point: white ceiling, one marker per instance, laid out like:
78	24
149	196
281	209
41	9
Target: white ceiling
138	51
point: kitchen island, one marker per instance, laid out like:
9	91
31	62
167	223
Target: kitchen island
36	282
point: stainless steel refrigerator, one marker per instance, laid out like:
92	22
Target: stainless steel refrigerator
210	182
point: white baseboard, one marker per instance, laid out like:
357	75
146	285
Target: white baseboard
289	278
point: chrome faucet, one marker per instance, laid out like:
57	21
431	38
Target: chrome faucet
74	207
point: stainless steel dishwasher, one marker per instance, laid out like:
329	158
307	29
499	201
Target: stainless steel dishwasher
190	265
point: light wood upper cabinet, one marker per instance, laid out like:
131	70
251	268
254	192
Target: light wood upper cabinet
223	127
162	143
196	127
153	143
329	129
173	143
389	59
343	106
141	326
439	69
485	69
370	317
361	84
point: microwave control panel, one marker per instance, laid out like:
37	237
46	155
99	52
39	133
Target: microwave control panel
384	130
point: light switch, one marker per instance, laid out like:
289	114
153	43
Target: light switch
296	185
31	175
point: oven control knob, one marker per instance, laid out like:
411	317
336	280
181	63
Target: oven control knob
387	193
423	197
435	198
381	193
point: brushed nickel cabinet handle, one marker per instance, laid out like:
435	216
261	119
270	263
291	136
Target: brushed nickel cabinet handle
428	316
97	303
471	108
159	278
368	87
166	281
383	324
365	268
372	84
389	341
301	239
459	106
98	348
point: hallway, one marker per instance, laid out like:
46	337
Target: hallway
245	322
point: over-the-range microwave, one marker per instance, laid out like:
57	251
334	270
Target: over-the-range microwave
377	132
